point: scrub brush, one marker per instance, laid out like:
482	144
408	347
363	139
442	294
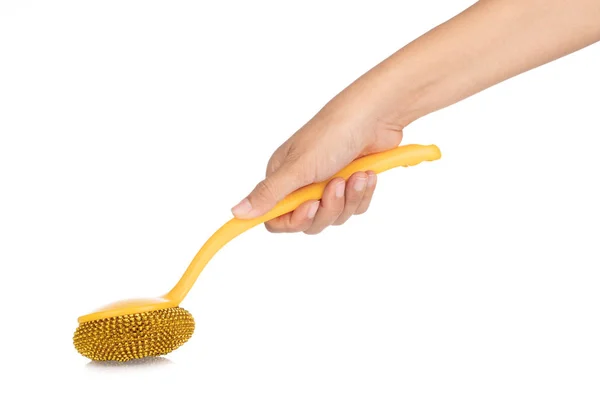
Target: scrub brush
138	328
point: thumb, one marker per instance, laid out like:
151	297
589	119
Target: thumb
270	191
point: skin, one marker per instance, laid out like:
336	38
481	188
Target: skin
489	42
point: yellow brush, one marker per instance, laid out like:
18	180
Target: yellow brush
138	328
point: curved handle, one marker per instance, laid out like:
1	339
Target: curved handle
402	156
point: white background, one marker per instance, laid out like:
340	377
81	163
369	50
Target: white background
128	129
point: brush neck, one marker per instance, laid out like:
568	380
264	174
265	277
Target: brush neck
220	238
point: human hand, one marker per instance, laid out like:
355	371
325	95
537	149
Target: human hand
346	128
445	65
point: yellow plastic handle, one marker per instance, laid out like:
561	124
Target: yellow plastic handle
402	156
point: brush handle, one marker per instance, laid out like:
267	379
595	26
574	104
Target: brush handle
402	156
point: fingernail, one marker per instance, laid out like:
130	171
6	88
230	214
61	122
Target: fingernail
372	179
340	188
243	208
360	184
312	211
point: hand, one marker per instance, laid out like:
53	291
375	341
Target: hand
445	65
345	129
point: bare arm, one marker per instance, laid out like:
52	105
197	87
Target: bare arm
489	42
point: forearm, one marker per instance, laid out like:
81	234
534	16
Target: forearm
490	42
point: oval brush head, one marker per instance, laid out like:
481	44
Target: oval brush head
139	328
131	336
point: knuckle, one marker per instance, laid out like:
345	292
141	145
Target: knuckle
340	220
302	166
265	191
291	227
271	228
361	211
338	208
354	198
273	165
315	229
334	213
304	227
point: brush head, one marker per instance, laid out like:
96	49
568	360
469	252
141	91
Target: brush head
131	336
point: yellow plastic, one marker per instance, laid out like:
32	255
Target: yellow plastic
402	156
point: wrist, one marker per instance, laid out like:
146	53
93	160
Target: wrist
410	89
396	92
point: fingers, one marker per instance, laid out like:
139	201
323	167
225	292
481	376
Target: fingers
355	191
332	205
368	195
297	221
270	191
340	201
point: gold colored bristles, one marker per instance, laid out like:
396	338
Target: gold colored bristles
132	336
